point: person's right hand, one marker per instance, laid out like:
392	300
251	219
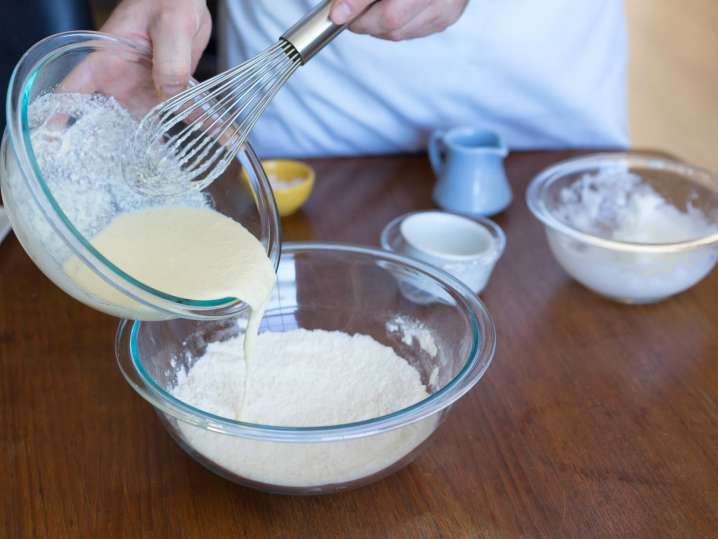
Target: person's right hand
397	20
178	31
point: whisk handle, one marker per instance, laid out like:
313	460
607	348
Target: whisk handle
310	34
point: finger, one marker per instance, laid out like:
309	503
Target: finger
201	38
98	72
344	11
83	77
171	37
100	69
389	16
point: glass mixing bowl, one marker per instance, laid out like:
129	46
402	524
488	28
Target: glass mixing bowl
44	219
629	272
335	288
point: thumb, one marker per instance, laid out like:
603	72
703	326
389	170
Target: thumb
171	39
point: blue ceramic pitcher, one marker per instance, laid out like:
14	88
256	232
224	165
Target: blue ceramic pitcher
469	165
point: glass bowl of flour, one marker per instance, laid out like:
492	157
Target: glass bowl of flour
348	380
633	228
74	103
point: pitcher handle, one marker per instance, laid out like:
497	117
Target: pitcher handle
436	153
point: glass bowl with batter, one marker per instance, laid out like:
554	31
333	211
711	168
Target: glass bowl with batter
354	290
78	76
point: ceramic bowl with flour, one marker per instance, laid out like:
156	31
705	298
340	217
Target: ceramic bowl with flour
74	101
633	228
348	382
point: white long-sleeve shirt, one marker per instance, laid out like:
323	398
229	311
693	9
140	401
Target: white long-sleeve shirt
543	73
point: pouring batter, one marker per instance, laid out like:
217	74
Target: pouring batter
193	253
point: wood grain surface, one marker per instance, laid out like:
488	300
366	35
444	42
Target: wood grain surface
595	419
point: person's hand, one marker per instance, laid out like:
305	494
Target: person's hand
178	31
397	20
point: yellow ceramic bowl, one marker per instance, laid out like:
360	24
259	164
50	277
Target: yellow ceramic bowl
292	183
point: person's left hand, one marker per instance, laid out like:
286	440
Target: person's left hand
397	20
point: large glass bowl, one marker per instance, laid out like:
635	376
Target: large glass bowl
91	62
330	287
630	272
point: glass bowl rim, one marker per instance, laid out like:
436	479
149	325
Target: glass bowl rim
79	245
473	369
540	183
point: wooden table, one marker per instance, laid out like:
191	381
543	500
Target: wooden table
595	419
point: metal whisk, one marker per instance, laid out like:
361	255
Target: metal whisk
190	139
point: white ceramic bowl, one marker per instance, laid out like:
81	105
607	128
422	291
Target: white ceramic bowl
467	248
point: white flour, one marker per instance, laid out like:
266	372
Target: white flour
619	205
411	330
303	378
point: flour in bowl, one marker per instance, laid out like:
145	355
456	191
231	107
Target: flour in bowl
619	205
303	378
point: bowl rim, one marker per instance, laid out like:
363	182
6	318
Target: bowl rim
538	185
33	60
490	256
448	217
475	365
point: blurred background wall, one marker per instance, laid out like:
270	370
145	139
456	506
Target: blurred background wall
23	22
674	77
673	81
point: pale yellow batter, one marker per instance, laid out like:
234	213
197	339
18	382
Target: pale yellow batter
192	253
